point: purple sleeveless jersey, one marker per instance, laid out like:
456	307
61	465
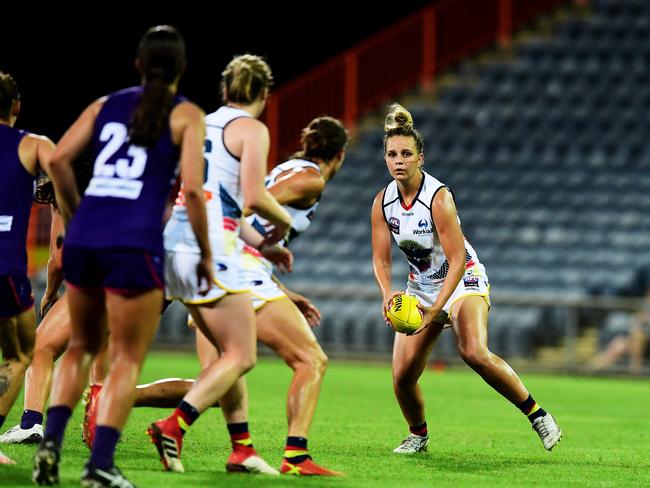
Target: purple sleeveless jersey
16	191
124	202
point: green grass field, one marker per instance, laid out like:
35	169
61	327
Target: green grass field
478	439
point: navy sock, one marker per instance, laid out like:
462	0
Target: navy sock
239	434
30	418
296	450
531	409
190	412
2	420
57	420
106	439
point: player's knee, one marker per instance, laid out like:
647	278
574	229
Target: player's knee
403	378
310	359
474	356
247	362
320	361
27	356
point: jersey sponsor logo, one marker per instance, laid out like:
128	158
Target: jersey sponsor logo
5	222
407	214
257	282
221	267
114	187
393	223
471	282
423	228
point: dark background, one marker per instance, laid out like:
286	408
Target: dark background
62	65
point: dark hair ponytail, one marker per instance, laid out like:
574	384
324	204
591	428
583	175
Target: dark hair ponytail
162	58
8	94
323	138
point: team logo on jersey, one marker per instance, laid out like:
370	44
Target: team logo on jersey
423	228
393	223
418	256
470	282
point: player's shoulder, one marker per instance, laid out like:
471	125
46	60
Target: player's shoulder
31	140
188	110
380	196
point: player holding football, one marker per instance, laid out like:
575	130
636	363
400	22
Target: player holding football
446	277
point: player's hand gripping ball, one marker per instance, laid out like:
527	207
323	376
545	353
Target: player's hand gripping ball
404	314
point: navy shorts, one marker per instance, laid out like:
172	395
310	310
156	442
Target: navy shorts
15	295
120	270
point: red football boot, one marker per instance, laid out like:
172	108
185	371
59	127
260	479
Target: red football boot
90	402
167	435
244	459
306	468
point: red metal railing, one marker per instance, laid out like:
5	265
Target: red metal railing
410	52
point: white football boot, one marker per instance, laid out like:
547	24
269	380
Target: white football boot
18	435
413	443
547	430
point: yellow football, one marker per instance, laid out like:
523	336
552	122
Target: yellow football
404	314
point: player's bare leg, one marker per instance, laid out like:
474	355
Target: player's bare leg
52	337
410	354
469	324
17	336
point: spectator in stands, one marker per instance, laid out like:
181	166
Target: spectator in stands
631	343
446	277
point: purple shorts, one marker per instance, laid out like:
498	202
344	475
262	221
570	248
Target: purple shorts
119	270
15	295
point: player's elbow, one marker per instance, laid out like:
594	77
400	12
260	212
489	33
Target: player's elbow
254	202
192	193
457	262
56	164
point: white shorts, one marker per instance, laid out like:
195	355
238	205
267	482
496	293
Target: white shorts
181	283
473	283
259	279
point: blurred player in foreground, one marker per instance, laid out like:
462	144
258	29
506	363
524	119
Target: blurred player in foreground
21	156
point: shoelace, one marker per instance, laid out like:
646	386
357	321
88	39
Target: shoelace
541	427
413	441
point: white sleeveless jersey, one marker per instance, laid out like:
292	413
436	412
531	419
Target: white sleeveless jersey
223	193
300	218
416	235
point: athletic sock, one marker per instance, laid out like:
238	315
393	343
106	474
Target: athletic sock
239	435
57	421
420	430
531	409
2	420
186	415
30	418
106	439
296	450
